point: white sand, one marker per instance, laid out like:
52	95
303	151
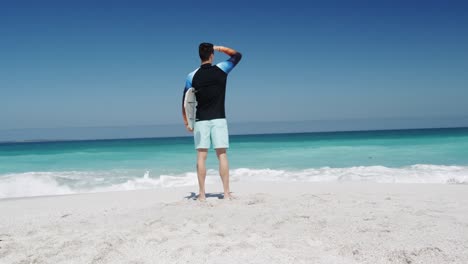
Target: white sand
268	223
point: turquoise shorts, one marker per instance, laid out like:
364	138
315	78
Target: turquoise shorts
211	131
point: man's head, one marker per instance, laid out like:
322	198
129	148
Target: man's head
205	50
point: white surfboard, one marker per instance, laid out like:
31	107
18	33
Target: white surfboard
190	106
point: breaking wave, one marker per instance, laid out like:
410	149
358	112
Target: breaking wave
70	182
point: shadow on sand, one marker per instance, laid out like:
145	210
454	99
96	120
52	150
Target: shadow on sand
194	196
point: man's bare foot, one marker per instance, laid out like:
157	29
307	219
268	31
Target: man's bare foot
228	196
201	197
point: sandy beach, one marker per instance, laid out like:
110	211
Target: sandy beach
267	223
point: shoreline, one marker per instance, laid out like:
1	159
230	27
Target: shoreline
168	192
269	222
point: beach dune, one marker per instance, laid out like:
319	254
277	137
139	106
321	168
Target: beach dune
267	223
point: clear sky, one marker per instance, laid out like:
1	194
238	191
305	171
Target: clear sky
124	63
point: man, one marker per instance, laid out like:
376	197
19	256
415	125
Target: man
209	82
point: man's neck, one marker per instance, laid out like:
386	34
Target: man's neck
205	62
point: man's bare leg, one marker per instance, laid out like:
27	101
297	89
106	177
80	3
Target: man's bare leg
201	172
224	171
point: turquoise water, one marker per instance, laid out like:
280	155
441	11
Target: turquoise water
79	166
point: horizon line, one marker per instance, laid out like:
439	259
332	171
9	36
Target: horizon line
241	134
242	122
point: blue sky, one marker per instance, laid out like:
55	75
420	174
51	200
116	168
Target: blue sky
124	63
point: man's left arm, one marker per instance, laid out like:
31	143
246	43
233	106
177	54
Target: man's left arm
188	85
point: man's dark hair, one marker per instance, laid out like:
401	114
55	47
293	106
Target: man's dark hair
205	50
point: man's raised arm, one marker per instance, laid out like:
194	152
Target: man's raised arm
228	65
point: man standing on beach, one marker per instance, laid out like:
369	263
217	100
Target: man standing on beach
209	82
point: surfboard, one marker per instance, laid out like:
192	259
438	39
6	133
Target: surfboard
190	106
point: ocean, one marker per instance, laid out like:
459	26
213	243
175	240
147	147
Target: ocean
391	156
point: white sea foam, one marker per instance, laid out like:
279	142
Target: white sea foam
31	184
56	183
